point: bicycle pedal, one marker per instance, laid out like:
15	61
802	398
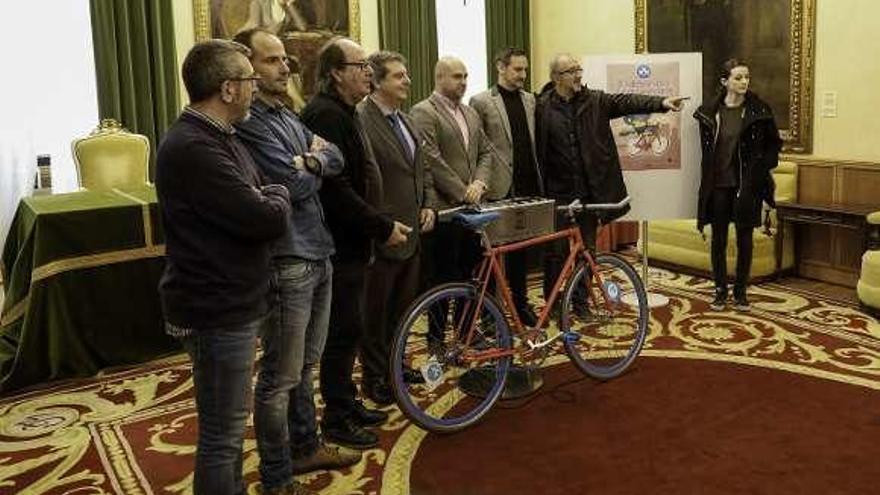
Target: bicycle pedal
571	336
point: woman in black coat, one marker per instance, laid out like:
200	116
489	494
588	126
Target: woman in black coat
740	145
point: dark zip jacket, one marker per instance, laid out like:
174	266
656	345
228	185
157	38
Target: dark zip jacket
598	151
757	154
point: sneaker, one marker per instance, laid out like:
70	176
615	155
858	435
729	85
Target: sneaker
720	301
326	457
348	433
367	417
378	391
741	302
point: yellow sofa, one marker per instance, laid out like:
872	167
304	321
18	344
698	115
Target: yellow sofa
677	244
868	287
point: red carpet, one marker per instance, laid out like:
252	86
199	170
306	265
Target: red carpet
669	426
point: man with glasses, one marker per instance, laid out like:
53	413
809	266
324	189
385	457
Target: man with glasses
577	153
219	220
293	340
351	202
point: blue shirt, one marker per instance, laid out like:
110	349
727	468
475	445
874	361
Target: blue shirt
275	136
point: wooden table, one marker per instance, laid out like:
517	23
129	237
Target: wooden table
851	217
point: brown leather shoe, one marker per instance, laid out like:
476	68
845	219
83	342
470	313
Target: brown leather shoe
326	457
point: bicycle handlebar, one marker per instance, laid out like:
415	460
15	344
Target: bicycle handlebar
576	206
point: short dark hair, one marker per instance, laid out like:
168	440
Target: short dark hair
378	63
503	57
246	37
331	57
208	64
731	64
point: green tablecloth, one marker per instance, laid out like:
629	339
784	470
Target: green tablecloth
81	272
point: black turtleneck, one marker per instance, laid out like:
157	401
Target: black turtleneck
525	175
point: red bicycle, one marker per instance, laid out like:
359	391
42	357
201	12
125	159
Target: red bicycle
457	328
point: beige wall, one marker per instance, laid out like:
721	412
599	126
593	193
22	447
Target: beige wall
185	30
845	60
582	27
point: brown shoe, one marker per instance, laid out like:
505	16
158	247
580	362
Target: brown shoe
326	457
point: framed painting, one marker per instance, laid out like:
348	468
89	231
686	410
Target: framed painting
303	25
775	37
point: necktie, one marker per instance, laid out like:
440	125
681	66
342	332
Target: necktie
397	127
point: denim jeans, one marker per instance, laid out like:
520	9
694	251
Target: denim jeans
223	361
293	340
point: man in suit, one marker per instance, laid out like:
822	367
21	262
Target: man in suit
460	159
408	196
351	202
508	115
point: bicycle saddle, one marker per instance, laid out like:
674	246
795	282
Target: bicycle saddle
475	220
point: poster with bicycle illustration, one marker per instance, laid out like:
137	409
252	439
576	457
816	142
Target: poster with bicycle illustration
660	152
646	141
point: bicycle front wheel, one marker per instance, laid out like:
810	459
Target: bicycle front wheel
436	353
604	317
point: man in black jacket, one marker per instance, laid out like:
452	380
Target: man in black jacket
351	202
576	148
219	220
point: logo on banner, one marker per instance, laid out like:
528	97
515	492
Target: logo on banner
643	71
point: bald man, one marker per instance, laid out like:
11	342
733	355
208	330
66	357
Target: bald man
458	154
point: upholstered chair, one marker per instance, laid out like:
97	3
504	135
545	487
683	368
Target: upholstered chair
868	287
111	157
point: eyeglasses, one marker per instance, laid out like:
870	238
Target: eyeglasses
572	71
362	65
253	78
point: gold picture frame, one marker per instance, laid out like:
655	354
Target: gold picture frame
791	100
307	33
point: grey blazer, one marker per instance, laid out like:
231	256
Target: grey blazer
490	105
407	188
452	166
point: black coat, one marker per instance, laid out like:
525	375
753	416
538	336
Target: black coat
350	199
757	154
603	175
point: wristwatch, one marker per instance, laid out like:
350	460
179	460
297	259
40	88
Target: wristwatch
312	164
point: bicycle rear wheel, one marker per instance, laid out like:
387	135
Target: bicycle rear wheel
430	356
605	327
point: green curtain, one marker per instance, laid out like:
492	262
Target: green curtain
136	65
507	25
410	27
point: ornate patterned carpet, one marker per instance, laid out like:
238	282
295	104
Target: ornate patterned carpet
799	366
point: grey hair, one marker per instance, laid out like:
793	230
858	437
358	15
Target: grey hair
556	60
378	63
330	57
208	64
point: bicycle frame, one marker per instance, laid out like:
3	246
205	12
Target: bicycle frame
490	268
